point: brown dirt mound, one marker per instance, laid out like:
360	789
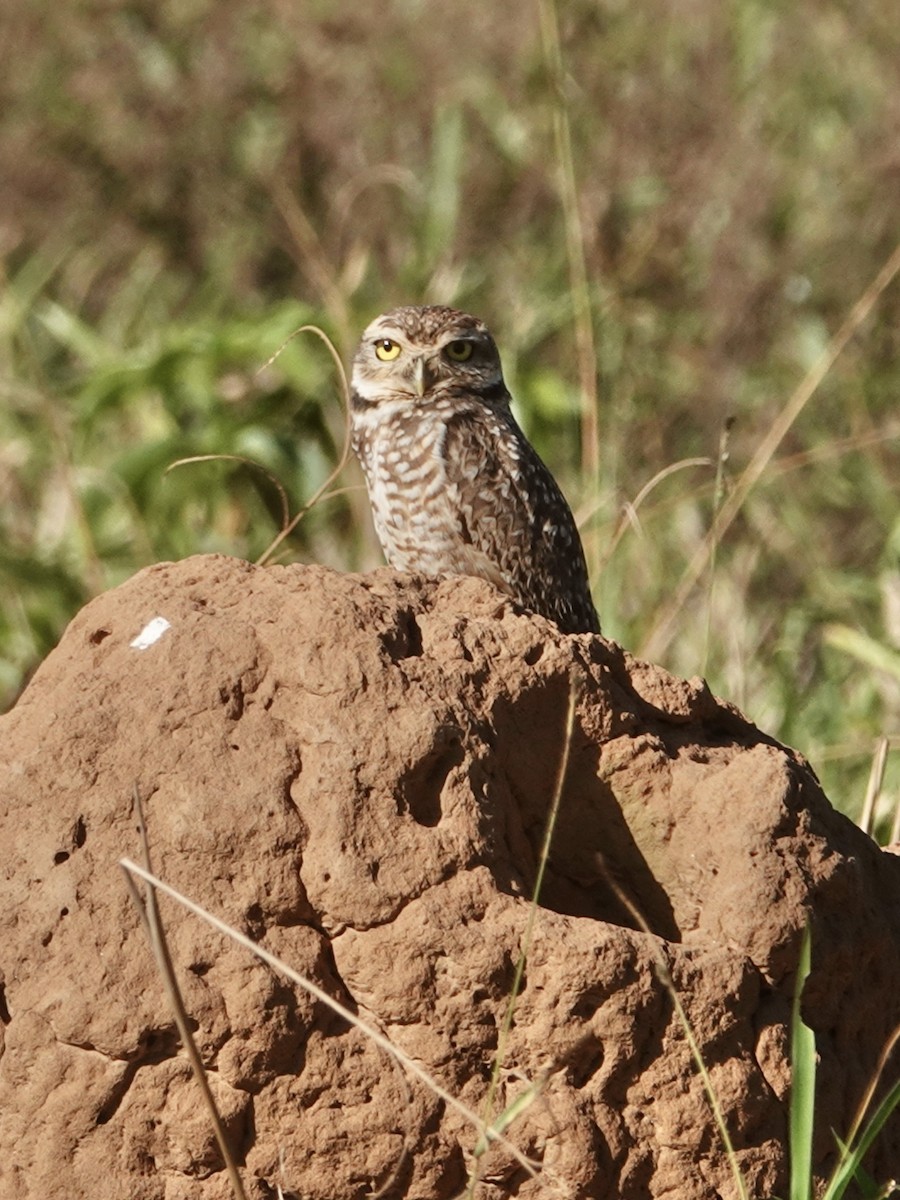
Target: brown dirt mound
356	771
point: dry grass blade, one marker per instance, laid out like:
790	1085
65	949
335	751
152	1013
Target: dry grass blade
317	993
718	497
629	518
312	257
149	913
876	780
854	1148
663	631
247	462
866	1102
575	249
521	1103
836	448
345	451
668	983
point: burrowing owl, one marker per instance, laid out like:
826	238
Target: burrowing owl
455	487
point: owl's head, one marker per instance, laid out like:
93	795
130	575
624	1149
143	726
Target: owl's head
422	353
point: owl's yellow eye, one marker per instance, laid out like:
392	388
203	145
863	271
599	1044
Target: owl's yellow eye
459	351
386	350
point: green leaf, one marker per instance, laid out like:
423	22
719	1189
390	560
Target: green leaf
849	1164
444	185
864	648
803	1085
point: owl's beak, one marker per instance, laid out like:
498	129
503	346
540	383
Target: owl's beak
419	376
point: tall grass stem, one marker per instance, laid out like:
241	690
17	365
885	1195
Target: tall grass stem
665	628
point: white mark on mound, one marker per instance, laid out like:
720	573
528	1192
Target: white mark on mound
151	633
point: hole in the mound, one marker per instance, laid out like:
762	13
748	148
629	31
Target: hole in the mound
587	1004
98	636
5	1017
78	836
584	1060
160	1043
405	639
424	785
413	633
534	655
256	924
63	912
47	938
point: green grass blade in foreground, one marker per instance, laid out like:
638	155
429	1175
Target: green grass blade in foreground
803	1085
851	1159
866	1186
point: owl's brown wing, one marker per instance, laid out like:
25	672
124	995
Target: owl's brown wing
516	519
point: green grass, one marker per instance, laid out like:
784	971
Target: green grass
867	1125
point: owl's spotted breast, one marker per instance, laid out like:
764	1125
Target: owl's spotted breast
455	486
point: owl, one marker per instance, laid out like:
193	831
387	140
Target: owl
455	487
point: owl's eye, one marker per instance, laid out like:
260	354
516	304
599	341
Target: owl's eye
386	350
459	351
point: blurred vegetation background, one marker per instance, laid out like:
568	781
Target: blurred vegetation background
676	203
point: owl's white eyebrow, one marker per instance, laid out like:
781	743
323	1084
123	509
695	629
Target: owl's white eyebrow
470	335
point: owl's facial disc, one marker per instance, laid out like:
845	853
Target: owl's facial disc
410	367
421	353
